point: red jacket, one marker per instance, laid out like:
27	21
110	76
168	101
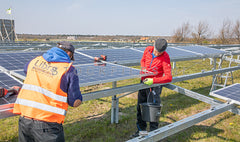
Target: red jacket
160	66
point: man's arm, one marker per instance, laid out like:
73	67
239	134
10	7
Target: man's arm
26	67
70	84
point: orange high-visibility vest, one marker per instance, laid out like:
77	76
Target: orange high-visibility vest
41	97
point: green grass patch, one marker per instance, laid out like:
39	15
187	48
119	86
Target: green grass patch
91	122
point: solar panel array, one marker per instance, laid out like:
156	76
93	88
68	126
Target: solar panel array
97	73
17	60
91	73
231	92
181	53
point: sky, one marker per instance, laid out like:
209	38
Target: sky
116	17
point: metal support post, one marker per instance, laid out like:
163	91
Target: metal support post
174	68
218	79
115	108
214	76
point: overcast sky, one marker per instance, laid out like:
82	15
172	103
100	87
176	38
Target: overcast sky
116	17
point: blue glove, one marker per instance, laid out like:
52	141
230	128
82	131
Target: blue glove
148	81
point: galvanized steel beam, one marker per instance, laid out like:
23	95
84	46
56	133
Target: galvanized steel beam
178	126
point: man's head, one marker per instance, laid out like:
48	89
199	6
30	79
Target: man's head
160	45
67	47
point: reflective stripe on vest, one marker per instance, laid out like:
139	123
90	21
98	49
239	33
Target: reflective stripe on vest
40	106
44	92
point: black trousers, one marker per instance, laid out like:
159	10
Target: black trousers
145	95
31	130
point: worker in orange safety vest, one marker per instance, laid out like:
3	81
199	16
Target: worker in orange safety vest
51	85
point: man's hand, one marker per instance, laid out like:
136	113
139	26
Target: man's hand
148	81
77	103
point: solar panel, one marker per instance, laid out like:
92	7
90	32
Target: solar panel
80	59
202	50
17	60
96	73
176	54
231	92
120	56
91	74
6	81
182	53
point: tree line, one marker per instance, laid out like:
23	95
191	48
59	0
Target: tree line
229	33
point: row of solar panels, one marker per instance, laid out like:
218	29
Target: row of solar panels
91	73
17	60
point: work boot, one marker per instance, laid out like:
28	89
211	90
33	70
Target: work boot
136	134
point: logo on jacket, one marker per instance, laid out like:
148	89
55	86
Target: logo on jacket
44	67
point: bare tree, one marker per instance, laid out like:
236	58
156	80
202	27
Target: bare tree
225	33
181	33
201	32
236	31
177	35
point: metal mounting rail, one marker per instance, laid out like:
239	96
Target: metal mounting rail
199	97
178	126
136	87
163	132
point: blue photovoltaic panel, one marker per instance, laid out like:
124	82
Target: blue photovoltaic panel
124	55
17	60
231	92
141	49
80	59
91	74
182	53
96	73
7	82
177	55
202	50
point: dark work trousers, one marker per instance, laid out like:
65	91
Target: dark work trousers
31	130
143	96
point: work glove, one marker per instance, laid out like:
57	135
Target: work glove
148	81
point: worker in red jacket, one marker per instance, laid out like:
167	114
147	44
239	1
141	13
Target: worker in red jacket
155	59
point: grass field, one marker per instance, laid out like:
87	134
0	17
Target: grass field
91	122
